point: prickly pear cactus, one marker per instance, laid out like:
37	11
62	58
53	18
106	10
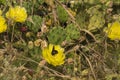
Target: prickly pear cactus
72	32
96	20
81	18
34	23
62	14
56	35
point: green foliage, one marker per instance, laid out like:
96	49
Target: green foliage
3	2
116	2
10	68
33	53
96	22
38	2
96	18
72	32
34	23
62	14
32	6
56	35
112	77
82	18
92	1
88	59
27	6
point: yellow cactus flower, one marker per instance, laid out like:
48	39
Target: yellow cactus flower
17	14
113	31
3	25
54	55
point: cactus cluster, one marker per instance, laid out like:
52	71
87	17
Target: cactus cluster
58	34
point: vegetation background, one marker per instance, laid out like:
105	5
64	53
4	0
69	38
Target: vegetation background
77	25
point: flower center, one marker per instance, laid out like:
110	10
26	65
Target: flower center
54	51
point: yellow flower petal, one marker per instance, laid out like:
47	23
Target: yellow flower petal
17	14
54	59
3	25
113	31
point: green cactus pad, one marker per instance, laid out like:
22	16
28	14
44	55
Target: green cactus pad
56	35
72	32
62	14
34	24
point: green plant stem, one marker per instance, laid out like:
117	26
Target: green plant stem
13	30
